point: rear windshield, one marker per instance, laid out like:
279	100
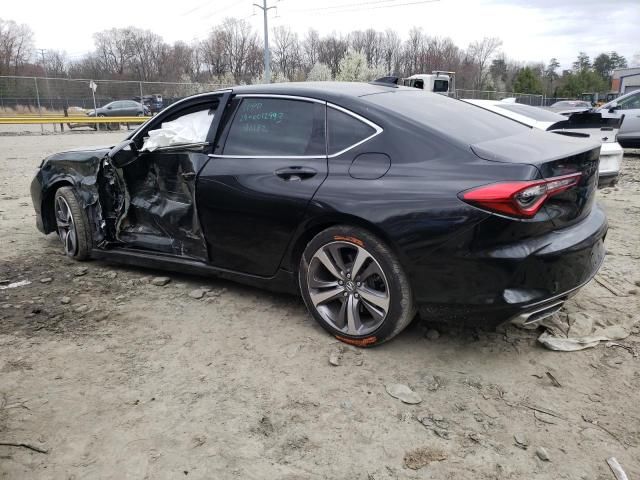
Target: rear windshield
535	113
465	122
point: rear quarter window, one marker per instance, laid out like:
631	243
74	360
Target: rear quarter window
345	131
459	120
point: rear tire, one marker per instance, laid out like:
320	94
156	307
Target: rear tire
354	286
72	224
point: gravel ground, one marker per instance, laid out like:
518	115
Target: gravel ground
115	377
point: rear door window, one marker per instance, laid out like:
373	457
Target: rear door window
277	127
345	131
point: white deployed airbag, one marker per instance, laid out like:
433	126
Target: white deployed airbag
190	128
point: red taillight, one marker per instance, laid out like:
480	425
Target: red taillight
518	199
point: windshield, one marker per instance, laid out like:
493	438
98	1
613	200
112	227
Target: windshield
534	113
441	86
627	101
571	104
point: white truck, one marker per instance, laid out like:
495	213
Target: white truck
437	82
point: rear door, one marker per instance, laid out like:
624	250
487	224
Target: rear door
130	108
254	191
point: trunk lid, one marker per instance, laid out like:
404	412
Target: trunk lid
554	156
589	125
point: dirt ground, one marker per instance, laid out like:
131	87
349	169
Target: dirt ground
114	377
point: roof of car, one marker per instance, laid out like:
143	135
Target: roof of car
319	89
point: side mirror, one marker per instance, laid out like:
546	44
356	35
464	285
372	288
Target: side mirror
109	107
613	107
123	154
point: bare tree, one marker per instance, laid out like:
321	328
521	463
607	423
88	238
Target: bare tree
368	43
412	51
481	52
16	46
311	48
56	63
148	53
390	51
331	50
286	51
114	50
213	52
240	46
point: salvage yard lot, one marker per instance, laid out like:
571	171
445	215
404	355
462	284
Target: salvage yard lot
115	377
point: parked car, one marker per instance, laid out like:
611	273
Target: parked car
121	108
153	102
629	106
371	201
586	125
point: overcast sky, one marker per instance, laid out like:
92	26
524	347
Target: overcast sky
532	30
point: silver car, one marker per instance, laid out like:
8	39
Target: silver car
629	106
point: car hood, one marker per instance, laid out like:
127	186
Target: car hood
79	154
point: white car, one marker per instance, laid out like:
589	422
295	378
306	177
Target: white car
604	129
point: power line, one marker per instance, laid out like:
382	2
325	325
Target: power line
344	5
207	13
194	9
223	9
357	7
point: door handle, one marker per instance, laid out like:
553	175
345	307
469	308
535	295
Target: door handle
295	173
188	175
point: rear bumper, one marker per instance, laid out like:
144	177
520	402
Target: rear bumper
611	155
512	279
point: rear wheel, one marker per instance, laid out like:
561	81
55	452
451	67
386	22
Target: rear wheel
354	286
72	224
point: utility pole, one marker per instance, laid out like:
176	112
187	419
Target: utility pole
267	67
44	64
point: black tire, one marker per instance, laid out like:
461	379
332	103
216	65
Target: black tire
80	224
393	282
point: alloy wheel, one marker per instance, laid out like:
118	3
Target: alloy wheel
66	227
348	288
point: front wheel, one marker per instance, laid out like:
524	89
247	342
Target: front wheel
72	224
354	286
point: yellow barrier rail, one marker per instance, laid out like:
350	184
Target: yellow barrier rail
60	119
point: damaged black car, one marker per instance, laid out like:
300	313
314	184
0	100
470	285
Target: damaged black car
372	201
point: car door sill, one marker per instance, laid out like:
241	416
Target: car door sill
282	281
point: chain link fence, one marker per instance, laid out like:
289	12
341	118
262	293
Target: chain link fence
40	96
37	95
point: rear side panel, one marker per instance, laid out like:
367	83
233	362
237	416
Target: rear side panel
458	257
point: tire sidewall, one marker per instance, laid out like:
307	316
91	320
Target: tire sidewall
400	293
80	221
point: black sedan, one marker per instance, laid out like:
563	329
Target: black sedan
372	201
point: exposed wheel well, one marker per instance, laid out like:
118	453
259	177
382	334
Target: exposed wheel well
48	212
